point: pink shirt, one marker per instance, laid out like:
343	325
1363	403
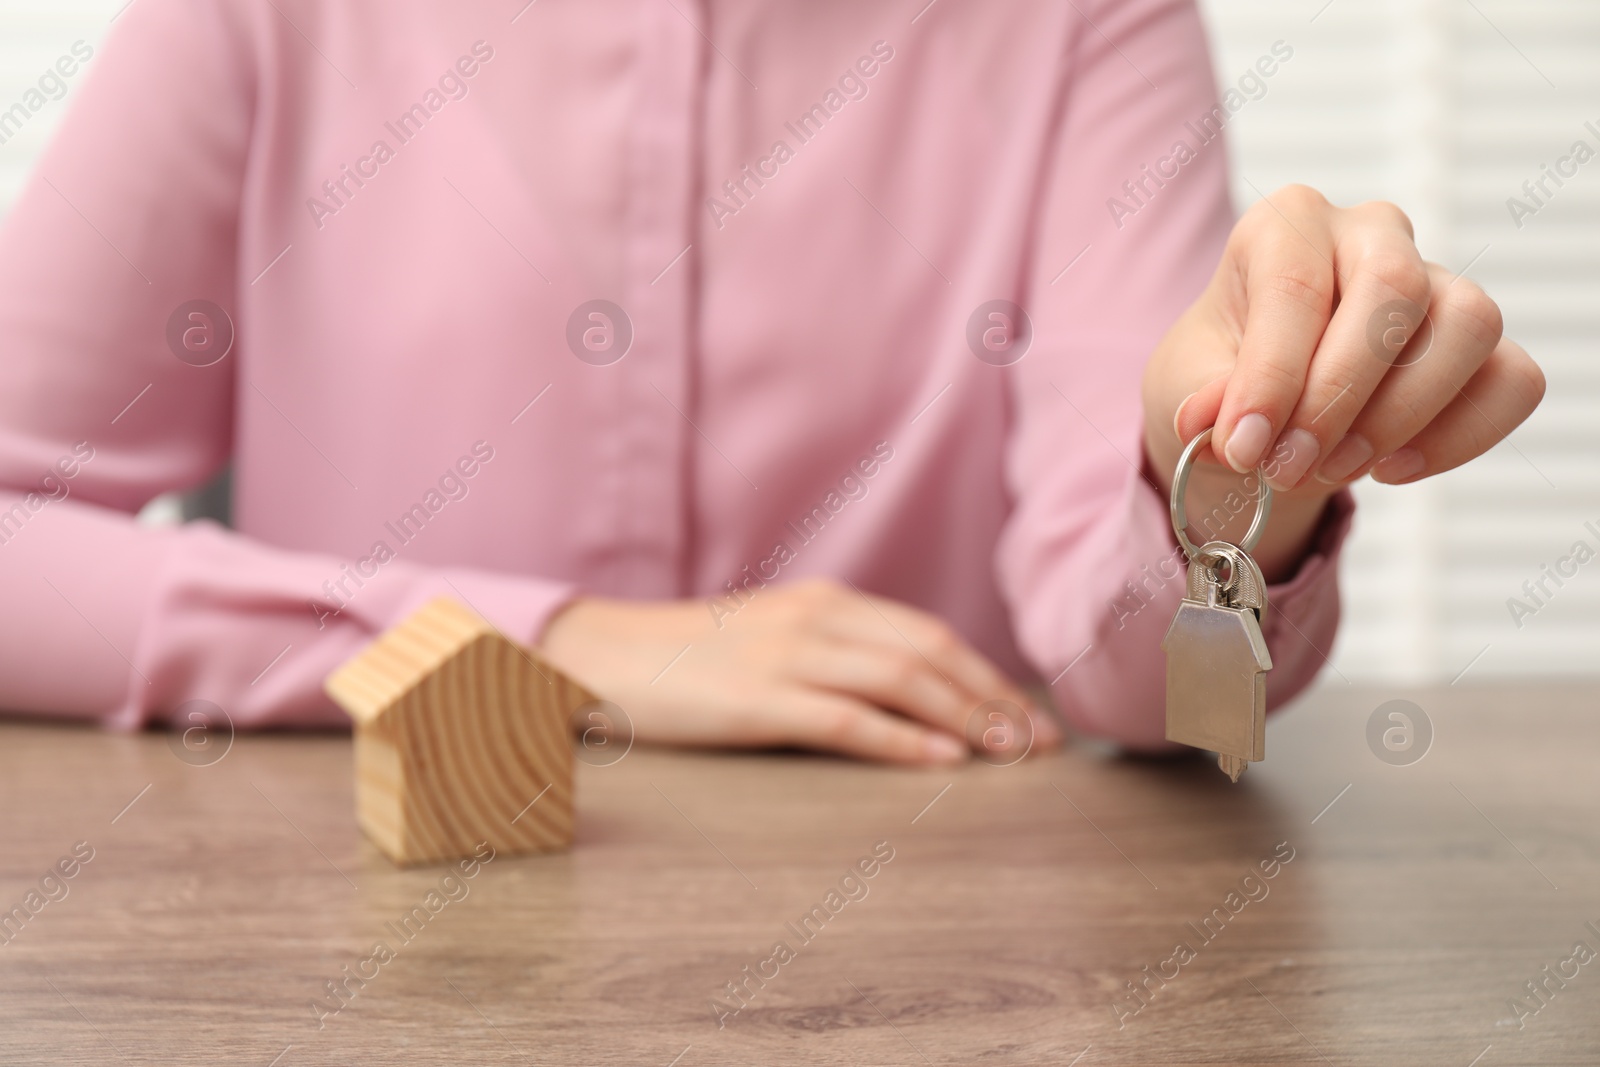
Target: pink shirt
800	207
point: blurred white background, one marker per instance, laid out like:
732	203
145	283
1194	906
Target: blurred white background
1446	107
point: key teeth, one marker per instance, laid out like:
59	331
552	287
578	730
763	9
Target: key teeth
1232	766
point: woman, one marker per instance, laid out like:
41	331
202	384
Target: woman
776	368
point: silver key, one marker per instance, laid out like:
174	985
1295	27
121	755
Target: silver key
1249	590
1216	657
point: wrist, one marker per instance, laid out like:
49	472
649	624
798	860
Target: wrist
568	632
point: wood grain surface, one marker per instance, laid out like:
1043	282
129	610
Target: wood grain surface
223	894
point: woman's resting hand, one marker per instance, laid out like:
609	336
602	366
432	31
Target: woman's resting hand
814	665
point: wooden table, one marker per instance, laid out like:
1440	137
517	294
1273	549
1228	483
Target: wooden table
1018	903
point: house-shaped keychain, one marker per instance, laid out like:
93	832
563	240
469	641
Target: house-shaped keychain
1216	678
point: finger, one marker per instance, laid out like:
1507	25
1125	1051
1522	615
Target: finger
1199	412
1284	250
886	675
831	722
1464	328
1503	393
1379	273
950	656
970	676
901	681
971	670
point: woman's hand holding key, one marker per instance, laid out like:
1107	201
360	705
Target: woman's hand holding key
1326	348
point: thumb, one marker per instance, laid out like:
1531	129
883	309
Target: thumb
1198	412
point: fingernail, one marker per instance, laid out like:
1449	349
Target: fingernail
1295	453
1397	467
942	748
1345	459
1045	730
1177	415
1248	442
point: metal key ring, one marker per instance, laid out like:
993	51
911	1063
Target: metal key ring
1180	488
